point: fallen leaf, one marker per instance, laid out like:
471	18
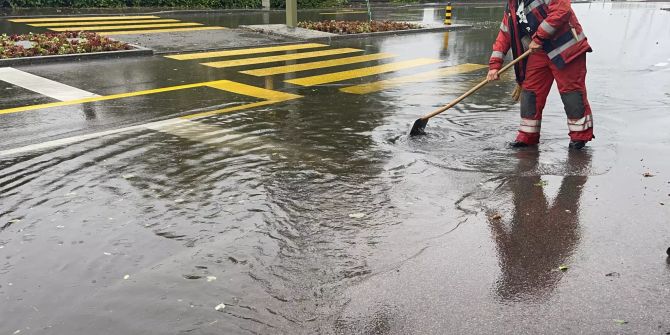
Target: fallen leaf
220	307
620	322
541	183
563	268
357	215
126	277
495	217
210	278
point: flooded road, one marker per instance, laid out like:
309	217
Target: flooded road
274	204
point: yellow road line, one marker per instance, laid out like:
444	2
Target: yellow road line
134	26
67	24
364	72
257	92
316	65
153	31
280	58
230	109
83	18
393	82
338	13
224	85
238	52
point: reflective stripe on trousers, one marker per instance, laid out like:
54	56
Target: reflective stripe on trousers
581	124
530	126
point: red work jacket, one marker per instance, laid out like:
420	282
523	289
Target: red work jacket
552	24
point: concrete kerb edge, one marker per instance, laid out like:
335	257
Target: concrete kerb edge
137	51
334	37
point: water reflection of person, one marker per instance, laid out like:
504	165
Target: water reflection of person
540	237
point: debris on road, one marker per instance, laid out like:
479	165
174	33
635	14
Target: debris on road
613	274
220	307
563	268
357	215
495	217
211	278
647	175
541	183
128	176
126	277
620	322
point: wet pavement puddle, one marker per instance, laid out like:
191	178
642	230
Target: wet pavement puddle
159	195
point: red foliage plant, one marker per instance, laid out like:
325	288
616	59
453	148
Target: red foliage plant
356	27
57	43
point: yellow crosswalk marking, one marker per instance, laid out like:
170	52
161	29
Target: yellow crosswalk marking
280	58
316	65
154	31
239	52
364	72
388	83
135	26
68	24
83	18
225	85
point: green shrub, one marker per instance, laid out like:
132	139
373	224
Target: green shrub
309	3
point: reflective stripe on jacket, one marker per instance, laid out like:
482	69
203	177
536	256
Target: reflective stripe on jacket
552	24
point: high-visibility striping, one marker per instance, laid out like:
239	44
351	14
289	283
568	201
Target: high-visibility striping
72	24
316	65
280	58
419	77
135	26
84	18
44	86
497	54
155	31
364	72
225	85
239	52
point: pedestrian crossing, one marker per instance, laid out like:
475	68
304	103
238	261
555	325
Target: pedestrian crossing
336	68
116	25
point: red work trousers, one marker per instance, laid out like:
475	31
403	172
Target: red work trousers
540	75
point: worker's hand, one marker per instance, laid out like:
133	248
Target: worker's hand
493	75
534	47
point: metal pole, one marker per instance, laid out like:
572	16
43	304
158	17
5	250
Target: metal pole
291	13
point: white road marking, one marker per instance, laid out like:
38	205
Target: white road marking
81	138
47	87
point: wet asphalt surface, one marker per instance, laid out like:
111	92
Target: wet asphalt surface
320	215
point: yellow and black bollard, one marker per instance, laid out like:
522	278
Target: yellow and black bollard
447	15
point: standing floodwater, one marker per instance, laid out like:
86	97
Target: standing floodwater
319	215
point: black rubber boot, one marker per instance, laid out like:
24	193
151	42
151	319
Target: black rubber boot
517	145
577	145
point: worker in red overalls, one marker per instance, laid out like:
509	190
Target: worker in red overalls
551	30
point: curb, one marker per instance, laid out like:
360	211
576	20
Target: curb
138	51
334	37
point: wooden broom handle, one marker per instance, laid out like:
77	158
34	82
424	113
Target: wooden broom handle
474	89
